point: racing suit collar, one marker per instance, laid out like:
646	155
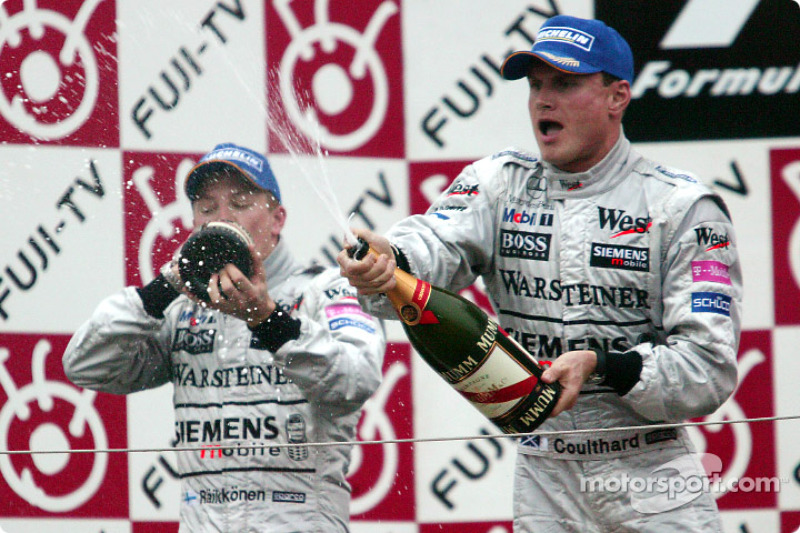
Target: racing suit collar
280	264
603	176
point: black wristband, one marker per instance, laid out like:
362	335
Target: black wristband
601	368
156	296
623	370
278	329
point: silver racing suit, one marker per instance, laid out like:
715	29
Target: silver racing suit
233	390
630	257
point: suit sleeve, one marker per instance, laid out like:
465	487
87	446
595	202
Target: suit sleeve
120	349
337	356
694	372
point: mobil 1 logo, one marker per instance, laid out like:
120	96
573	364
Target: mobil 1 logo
696	60
525	245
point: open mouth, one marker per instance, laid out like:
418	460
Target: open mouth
549	127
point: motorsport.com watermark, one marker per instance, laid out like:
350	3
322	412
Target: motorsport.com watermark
676	483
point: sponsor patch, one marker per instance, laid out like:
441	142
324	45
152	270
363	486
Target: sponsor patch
710	240
345	309
572	36
660	435
712	271
288	497
461	189
194	342
620	257
347	322
525	218
711	302
525	245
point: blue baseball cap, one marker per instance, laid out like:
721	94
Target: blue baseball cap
252	166
574	45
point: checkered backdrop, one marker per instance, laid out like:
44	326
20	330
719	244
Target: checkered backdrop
105	104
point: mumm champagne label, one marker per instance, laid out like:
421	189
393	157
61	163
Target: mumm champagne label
493	381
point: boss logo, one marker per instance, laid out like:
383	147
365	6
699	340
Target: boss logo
194	342
525	245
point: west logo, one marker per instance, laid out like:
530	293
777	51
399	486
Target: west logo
460	189
524	245
620	257
194	342
711	239
617	221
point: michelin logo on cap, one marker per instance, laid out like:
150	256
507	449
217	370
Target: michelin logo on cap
230	153
571	36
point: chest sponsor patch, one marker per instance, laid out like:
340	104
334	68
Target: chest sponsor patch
525	245
194	341
712	271
620	257
711	302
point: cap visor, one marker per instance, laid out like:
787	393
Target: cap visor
518	64
203	169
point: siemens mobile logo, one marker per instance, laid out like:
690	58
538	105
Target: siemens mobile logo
525	245
620	257
711	302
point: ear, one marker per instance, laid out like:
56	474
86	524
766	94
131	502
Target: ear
279	219
619	97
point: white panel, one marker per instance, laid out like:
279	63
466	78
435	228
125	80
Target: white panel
217	68
83	262
319	194
443	42
750	521
154	491
441	413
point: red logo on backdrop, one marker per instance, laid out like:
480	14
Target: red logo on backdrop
790	521
381	475
158	216
746	451
42	411
785	178
475	527
59	83
336	76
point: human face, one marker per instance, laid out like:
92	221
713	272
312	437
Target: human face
576	118
227	196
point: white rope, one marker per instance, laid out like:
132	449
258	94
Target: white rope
215	447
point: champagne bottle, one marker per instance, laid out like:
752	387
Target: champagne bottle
471	352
